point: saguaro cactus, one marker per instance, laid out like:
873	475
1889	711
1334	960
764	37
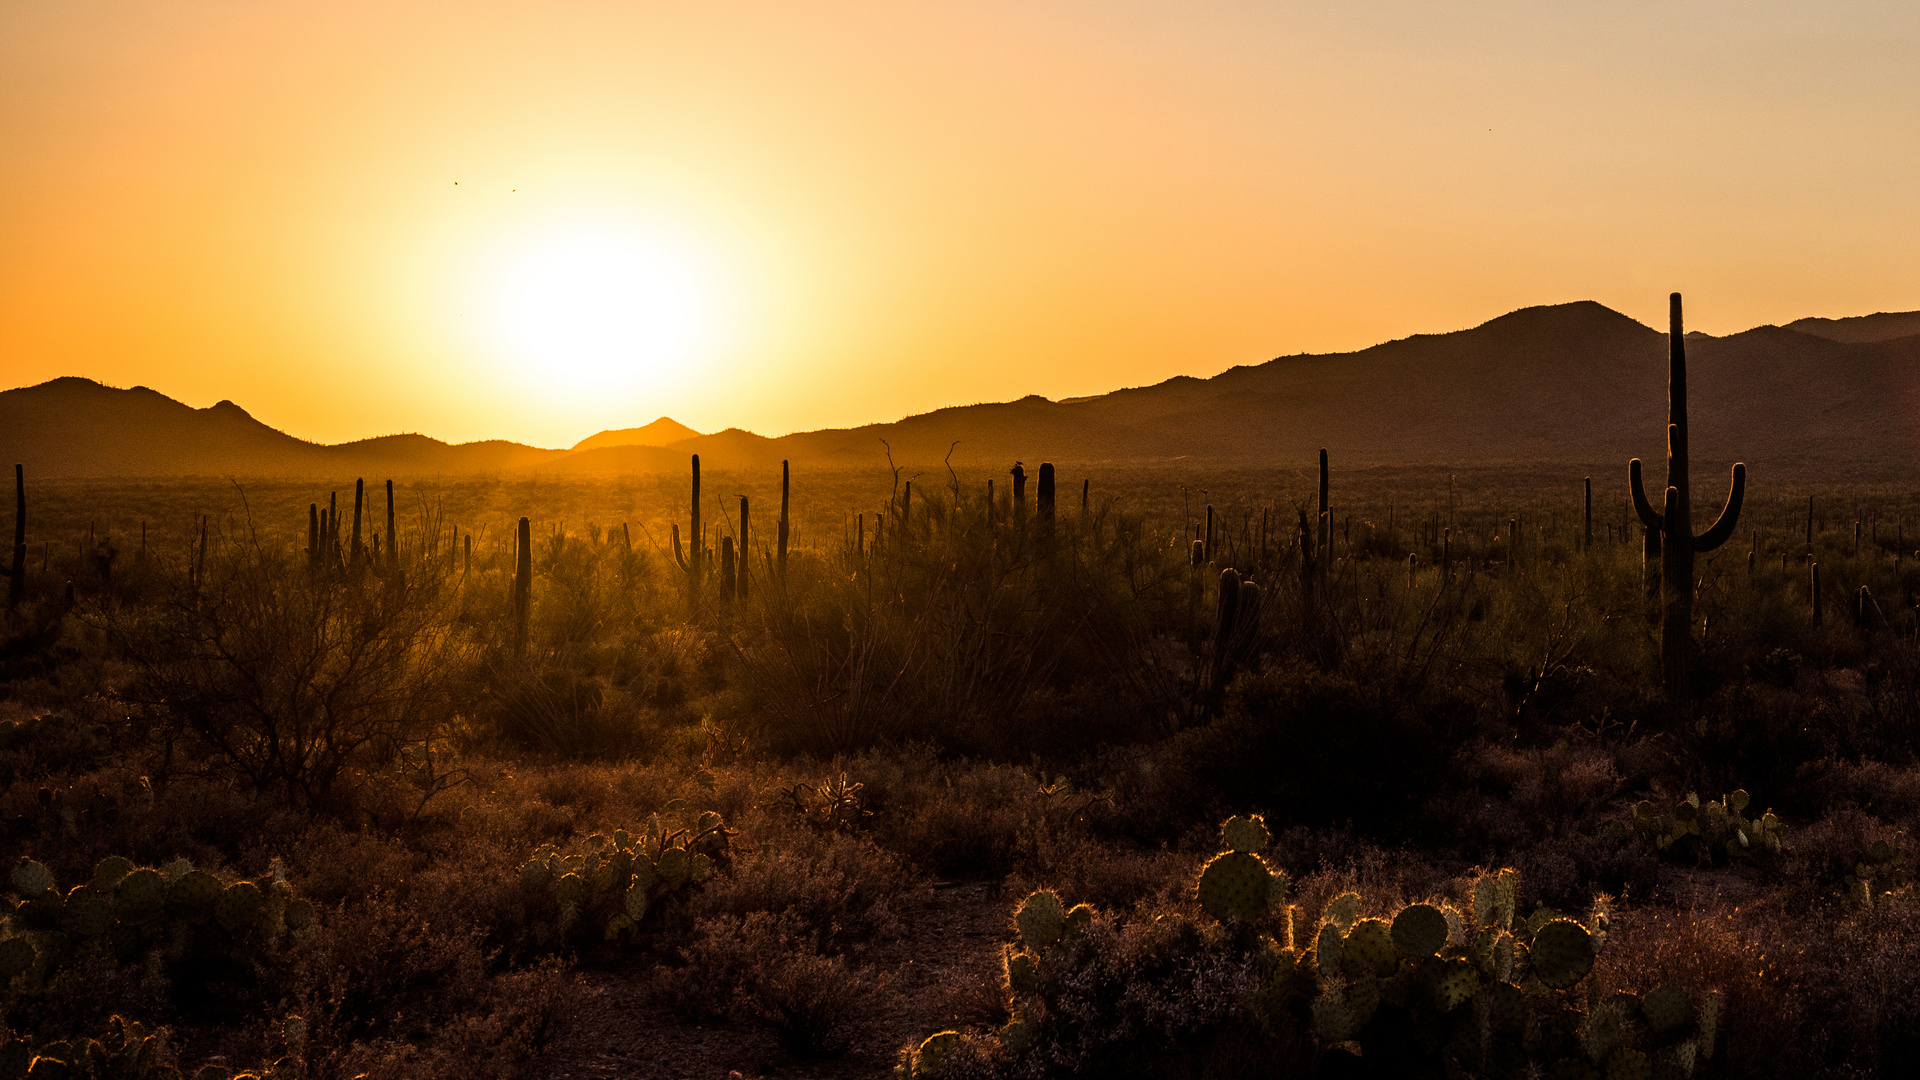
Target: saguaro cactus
1673	524
313	536
1044	502
359	497
522	584
1586	534
1325	530
690	562
746	537
1019	495
785	475
17	585
393	544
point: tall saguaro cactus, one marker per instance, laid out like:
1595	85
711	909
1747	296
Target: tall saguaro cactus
393	542
785	476
359	497
690	562
17	586
1044	503
1673	523
746	539
522	584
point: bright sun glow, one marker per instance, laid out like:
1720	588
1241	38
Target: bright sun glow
603	309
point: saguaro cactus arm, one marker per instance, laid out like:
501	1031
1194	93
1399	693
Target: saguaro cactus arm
678	555
1722	529
1649	517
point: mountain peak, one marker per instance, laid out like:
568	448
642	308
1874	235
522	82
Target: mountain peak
661	432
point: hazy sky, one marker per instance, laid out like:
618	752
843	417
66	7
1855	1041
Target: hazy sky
538	220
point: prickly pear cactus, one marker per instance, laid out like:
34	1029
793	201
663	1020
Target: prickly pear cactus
1419	931
608	887
1716	831
1245	834
1428	989
1235	886
129	1052
127	911
1041	920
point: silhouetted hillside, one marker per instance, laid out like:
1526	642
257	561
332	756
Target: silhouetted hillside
1569	384
1884	326
661	432
77	427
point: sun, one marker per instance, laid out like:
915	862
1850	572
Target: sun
598	308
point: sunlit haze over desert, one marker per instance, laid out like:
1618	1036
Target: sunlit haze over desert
537	221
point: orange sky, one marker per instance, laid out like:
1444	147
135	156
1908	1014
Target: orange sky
356	218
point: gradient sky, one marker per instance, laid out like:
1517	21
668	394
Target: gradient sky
355	218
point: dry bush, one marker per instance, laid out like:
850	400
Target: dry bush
1888	790
836	893
1748	954
281	679
1108	875
960	819
498	1035
762	969
1556	813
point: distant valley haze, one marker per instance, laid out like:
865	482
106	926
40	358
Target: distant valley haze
1575	384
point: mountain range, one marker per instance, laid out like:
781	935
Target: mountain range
1575	384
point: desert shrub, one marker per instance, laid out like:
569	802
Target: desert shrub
282	679
760	969
961	818
1312	746
835	893
49	744
497	1032
553	709
1738	951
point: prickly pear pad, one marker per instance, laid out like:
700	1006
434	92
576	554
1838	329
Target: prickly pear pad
1342	910
1562	953
1040	919
1419	931
88	912
1456	985
31	879
140	896
16	956
1368	949
933	1053
1235	885
1666	1008
110	871
1245	834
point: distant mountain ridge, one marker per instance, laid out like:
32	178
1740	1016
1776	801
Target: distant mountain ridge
1573	383
662	432
1882	326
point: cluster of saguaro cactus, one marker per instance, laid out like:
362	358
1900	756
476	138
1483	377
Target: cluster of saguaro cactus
606	887
1715	831
1432	989
1236	629
1670	527
327	555
128	910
